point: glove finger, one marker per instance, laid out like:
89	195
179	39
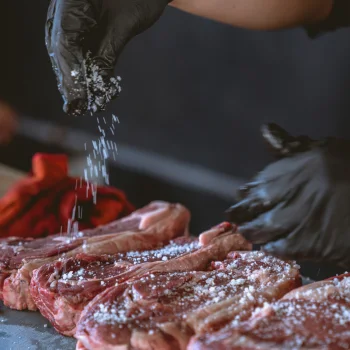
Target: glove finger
124	24
121	26
302	240
243	191
48	35
282	182
289	248
309	245
276	138
49	22
257	232
66	25
247	209
270	225
269	180
119	31
256	200
282	144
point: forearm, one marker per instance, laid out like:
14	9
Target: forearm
258	14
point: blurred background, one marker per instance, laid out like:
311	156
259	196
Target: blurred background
194	96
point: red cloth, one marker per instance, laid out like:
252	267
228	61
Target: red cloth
42	203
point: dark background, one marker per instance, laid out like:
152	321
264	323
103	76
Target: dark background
193	90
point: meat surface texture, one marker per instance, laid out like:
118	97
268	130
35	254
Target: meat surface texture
62	289
316	316
157	223
163	309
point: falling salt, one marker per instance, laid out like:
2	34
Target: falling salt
103	149
103	142
69	226
104	171
100	90
87	189
75	229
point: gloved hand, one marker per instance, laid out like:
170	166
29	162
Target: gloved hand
299	206
102	27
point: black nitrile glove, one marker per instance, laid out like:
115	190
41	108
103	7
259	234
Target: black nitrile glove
299	206
75	28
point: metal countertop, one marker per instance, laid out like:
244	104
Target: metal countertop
28	330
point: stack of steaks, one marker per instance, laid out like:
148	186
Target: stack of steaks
62	289
142	283
146	228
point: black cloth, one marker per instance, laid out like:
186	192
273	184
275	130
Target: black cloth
338	18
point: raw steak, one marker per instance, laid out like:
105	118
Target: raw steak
163	310
146	228
316	316
62	289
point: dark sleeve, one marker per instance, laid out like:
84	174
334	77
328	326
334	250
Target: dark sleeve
338	18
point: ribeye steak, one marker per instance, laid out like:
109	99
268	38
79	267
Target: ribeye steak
316	316
163	310
62	289
146	228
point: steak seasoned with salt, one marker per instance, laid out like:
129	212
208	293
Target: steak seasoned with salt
62	289
316	316
146	228
163	310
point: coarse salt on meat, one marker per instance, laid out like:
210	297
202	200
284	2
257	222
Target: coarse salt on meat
182	303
